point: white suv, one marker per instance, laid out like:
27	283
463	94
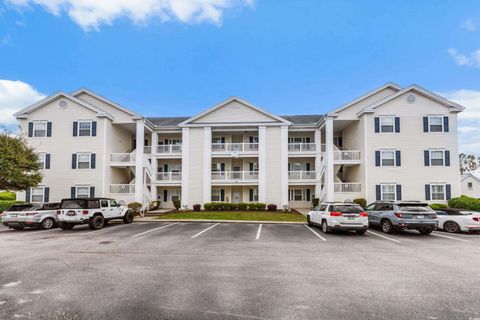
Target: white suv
94	211
339	216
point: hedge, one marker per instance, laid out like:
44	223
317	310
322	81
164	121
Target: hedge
361	202
5	204
226	206
438	206
465	202
8	195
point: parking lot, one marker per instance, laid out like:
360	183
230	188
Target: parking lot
169	270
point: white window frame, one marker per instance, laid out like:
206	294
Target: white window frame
393	123
216	192
386	185
43	161
32	195
303	194
444	186
35	123
78	128
394	157
82	186
255	195
429	123
430	157
89	160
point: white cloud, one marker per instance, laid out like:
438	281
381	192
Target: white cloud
469	25
470	60
15	95
91	14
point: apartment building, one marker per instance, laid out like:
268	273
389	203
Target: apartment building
392	143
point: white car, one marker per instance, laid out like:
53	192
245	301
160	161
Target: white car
94	211
339	216
458	220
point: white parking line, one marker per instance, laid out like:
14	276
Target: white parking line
204	230
316	233
258	232
385	237
102	230
448	237
148	231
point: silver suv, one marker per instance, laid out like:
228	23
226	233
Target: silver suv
21	216
393	216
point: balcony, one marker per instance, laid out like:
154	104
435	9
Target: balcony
240	148
122	188
165	150
302	175
347	157
302	147
234	176
169	177
122	159
348	187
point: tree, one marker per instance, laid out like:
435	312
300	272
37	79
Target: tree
468	163
19	167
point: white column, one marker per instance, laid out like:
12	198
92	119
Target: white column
284	165
154	164
262	164
329	181
207	164
185	165
140	138
318	161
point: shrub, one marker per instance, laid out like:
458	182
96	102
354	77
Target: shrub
315	202
242	206
5	204
257	206
208	206
154	205
177	204
197	207
136	207
8	195
437	206
361	202
465	202
272	207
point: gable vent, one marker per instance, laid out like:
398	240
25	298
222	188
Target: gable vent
63	104
411	98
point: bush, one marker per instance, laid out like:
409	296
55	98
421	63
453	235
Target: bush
208	206
438	206
315	202
136	207
242	206
177	204
197	207
154	205
8	195
465	202
256	206
5	204
272	207
361	202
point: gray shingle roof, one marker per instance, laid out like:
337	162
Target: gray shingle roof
303	119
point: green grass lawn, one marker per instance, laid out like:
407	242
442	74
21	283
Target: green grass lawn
236	215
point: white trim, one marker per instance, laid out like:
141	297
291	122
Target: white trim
284	165
104	169
44	154
394	190
139	155
444	185
185	166
262	164
83	186
394	157
380	124
207	164
329	181
107	101
84	121
89	160
430	157
31	194
442	122
35	122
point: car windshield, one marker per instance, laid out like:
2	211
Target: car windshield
415	207
72	204
346	209
37	207
20	207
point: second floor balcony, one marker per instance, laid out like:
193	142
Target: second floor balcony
234	176
169	176
302	147
240	147
164	150
302	175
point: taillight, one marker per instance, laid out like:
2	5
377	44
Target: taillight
85	211
363	214
399	215
476	218
335	214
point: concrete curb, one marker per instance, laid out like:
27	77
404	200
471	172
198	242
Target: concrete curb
219	221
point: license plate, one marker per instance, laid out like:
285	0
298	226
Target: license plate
14	215
420	217
70	213
351	218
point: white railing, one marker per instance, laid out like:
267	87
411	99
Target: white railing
346	187
234	147
122	157
169	176
148	166
301	147
169	148
122	188
234	175
301	175
350	155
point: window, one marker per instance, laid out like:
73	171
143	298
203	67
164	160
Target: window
104	203
435	123
38	194
388	192
299	195
83	191
470	186
40	128
387	124
438	191
437	157
84	128
42	160
387	158
113	203
217	195
83	160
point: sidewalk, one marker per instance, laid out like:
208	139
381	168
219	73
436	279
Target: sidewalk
152	219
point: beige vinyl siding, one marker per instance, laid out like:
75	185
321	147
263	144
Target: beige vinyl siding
118	115
235	112
196	167
273	168
475	191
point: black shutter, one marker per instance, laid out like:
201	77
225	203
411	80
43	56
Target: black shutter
398	158
75	128
72	192
445	124
30	129
250	195
46	194
93	161
397	124
426	158
92	192
447	158
49	129
47	161
448	191
27	194
222	195
250	166
74	161
425	124
307	167
94	128
308	194
222	167
378	192
222	139
165	195
377	124
399	192
377	158
427	192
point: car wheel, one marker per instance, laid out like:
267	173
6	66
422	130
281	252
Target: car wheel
425	231
451	227
325	228
361	231
65	226
128	217
387	226
309	222
96	223
47	224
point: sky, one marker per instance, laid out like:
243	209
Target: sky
180	57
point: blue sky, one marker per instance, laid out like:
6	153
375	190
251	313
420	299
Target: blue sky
285	56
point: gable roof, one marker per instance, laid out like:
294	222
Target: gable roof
23	113
474	175
454	107
230	100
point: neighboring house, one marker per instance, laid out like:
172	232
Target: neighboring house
391	143
470	185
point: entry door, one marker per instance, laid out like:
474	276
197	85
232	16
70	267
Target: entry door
236	197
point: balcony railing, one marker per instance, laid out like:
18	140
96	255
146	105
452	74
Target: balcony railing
169	176
165	149
347	187
234	147
234	175
301	147
122	188
122	157
301	175
349	155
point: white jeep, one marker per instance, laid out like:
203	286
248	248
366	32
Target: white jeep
94	211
